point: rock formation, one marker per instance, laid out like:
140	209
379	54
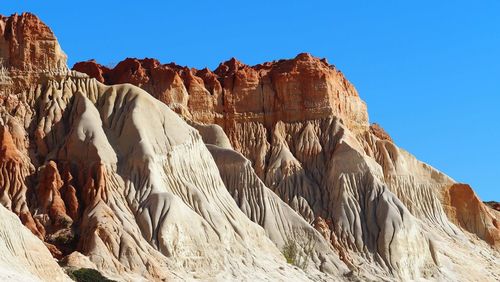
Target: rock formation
465	209
304	130
159	172
494	205
23	256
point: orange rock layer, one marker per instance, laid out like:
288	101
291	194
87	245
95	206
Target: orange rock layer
466	210
298	89
28	44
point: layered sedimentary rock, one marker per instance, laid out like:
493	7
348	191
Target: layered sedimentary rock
252	161
114	174
29	53
263	206
304	131
286	90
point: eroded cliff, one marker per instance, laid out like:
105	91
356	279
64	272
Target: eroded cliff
211	174
306	133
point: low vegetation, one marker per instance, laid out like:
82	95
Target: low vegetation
87	275
296	254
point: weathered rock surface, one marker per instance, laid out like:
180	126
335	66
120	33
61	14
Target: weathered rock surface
264	207
465	209
494	205
29	52
110	178
121	179
286	90
23	257
142	209
303	129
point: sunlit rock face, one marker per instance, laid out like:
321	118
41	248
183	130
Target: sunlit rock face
287	90
159	172
304	131
114	174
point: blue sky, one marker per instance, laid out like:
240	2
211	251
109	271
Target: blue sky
428	70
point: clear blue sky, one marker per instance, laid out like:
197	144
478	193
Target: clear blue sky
428	70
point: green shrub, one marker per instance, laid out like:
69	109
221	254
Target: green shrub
63	239
65	222
87	275
290	251
298	255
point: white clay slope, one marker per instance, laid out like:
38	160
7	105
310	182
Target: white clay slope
323	170
156	205
23	256
264	207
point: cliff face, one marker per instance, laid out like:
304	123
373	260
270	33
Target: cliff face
28	44
245	101
303	88
252	161
29	52
465	209
306	134
107	177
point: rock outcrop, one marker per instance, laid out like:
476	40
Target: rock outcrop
493	204
286	90
465	209
23	257
29	52
159	172
304	131
112	173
